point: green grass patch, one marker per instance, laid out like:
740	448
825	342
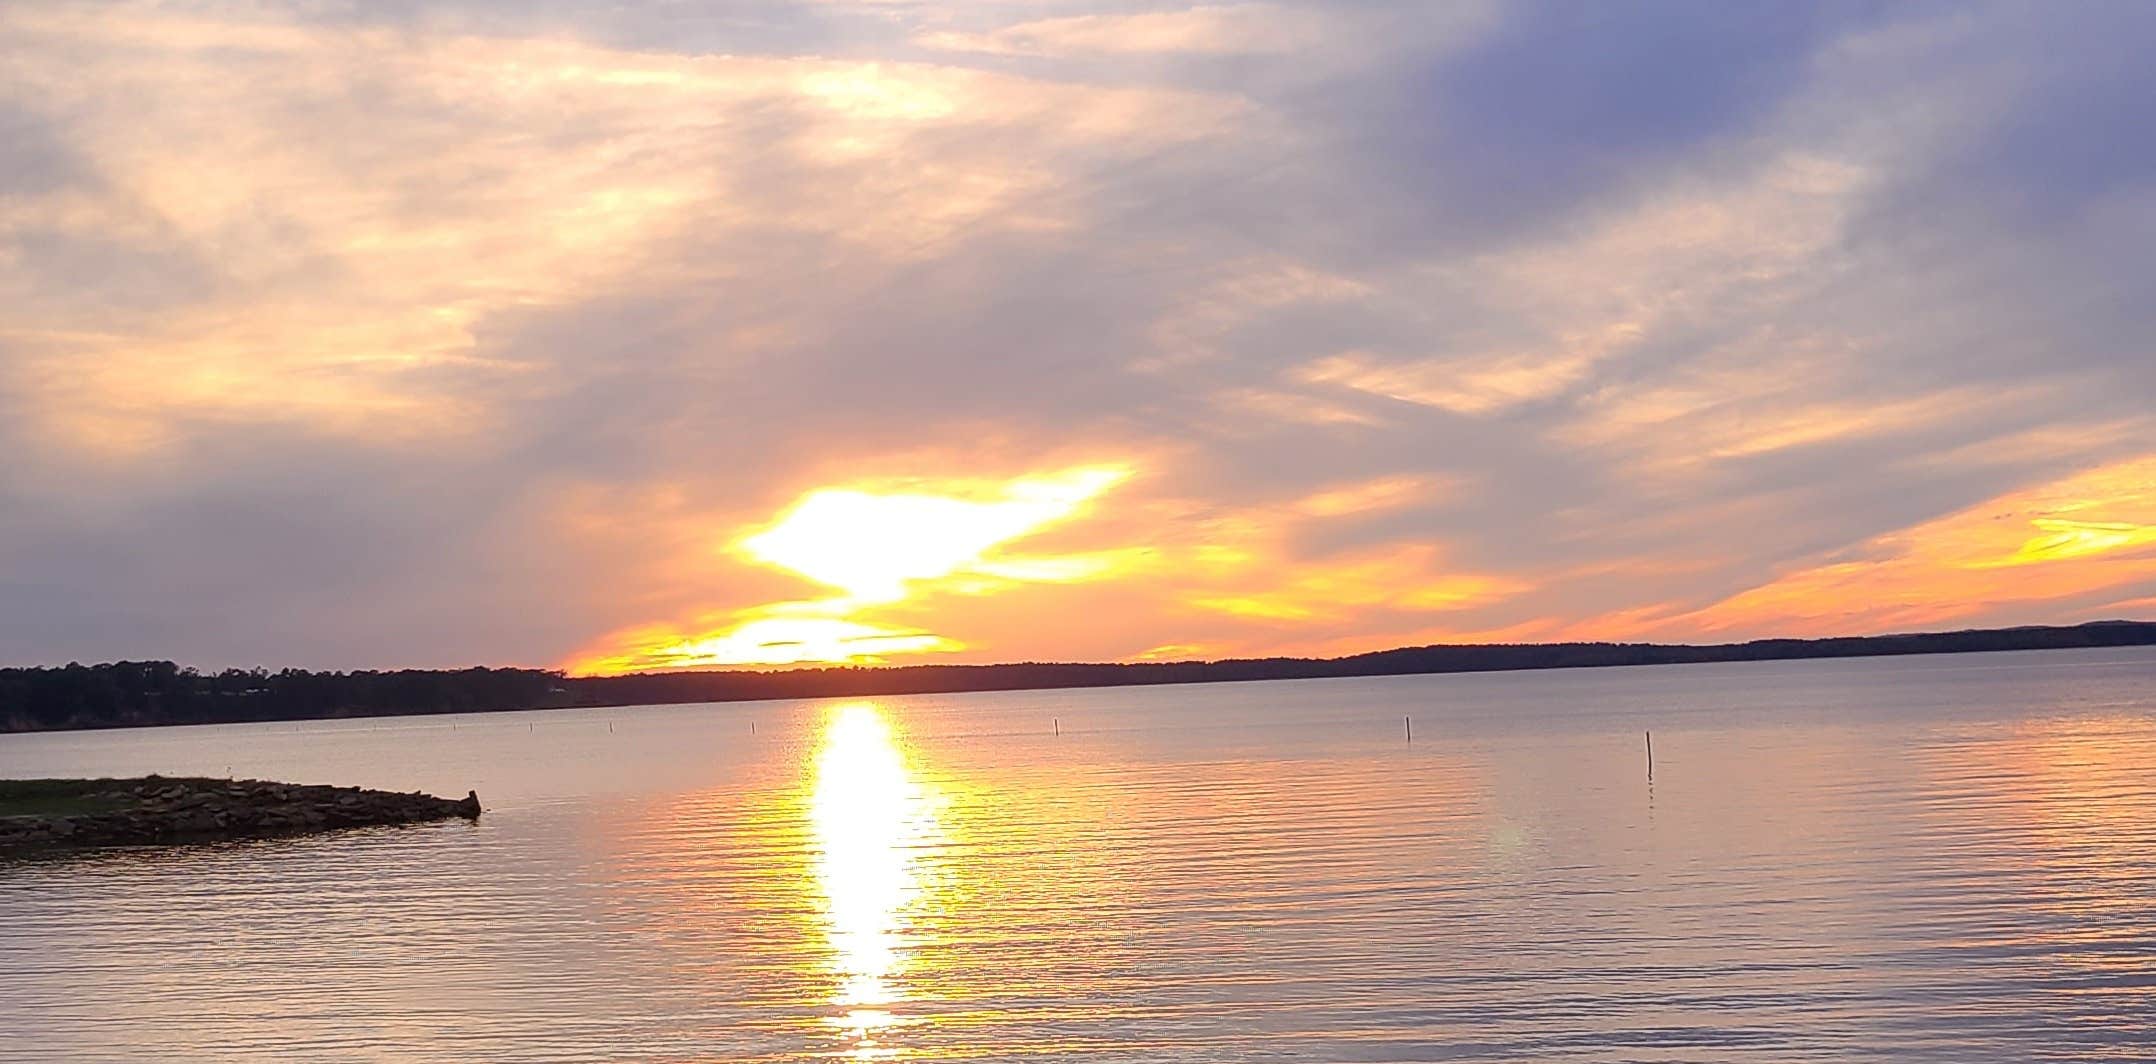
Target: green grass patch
68	797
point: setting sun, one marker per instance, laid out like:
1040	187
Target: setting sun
877	545
775	641
870	544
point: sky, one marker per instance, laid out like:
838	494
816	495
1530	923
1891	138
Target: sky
614	337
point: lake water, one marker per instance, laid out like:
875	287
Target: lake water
1909	859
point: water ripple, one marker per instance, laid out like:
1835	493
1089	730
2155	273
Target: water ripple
1937	860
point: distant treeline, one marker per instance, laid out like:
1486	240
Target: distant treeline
133	693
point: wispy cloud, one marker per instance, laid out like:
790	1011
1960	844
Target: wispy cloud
494	332
1219	29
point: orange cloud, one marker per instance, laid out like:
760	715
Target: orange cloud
876	544
1040	566
1481	387
760	640
871	544
1369	496
2076	536
1405	578
367	248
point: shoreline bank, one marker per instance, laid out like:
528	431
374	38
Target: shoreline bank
74	814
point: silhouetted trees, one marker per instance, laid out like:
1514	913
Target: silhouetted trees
672	687
126	693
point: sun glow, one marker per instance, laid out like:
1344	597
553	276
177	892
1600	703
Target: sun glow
877	545
778	640
870	818
2070	538
872	544
2060	539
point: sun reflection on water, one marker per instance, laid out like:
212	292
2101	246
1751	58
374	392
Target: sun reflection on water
871	819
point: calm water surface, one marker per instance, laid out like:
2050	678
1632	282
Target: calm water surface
1909	859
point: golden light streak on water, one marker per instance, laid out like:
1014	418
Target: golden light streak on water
870	820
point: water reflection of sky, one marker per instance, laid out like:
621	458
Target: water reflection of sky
1940	860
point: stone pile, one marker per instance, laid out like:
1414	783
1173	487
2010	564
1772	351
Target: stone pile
161	810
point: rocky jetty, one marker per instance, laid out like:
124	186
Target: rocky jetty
47	814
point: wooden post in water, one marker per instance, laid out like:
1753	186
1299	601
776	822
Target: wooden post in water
1650	757
1058	723
1409	724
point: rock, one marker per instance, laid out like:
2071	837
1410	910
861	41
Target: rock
157	810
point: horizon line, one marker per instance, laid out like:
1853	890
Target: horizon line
854	667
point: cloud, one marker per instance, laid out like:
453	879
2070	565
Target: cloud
875	545
387	334
496	175
1219	29
2058	543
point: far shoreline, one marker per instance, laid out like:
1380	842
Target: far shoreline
155	694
